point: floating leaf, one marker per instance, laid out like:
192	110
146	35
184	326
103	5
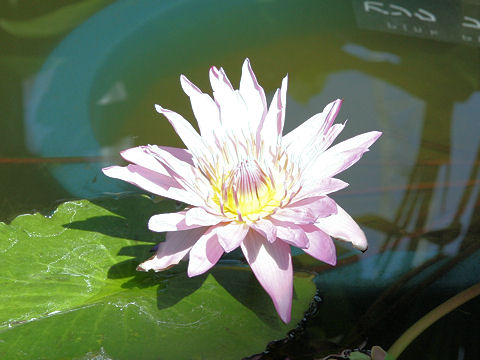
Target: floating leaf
70	290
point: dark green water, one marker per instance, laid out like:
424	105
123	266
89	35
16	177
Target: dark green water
76	89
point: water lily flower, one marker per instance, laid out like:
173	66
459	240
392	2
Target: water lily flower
247	185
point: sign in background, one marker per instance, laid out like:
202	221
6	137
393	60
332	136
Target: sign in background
452	21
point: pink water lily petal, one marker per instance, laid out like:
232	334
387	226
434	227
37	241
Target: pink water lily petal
269	126
188	176
312	132
169	222
173	249
219	80
330	114
306	211
291	233
233	110
204	108
173	159
182	155
329	137
283	99
185	130
231	235
175	222
140	155
265	228
199	216
321	245
343	155
272	265
343	227
153	182
205	253
270	130
315	187
253	95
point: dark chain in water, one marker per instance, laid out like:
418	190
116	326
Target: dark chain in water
280	349
295	345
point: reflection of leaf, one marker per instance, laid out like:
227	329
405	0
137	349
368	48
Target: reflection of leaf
439	237
21	65
379	223
54	23
70	290
443	236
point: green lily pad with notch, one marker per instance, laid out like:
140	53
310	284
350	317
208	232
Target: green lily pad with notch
70	291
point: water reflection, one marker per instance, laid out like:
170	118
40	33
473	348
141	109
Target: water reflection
416	194
368	55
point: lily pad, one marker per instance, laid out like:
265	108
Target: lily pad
70	290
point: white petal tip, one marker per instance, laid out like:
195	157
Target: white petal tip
152	225
360	242
214	71
113	171
194	272
188	87
375	135
285	315
152	264
106	170
141	268
247	66
124	152
147	265
183	81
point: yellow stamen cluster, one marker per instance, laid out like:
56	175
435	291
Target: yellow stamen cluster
247	190
245	186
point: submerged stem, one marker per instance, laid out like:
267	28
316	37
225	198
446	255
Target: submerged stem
416	329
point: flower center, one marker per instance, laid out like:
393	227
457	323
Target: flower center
247	190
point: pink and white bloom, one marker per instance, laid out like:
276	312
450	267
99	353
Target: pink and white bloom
248	185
